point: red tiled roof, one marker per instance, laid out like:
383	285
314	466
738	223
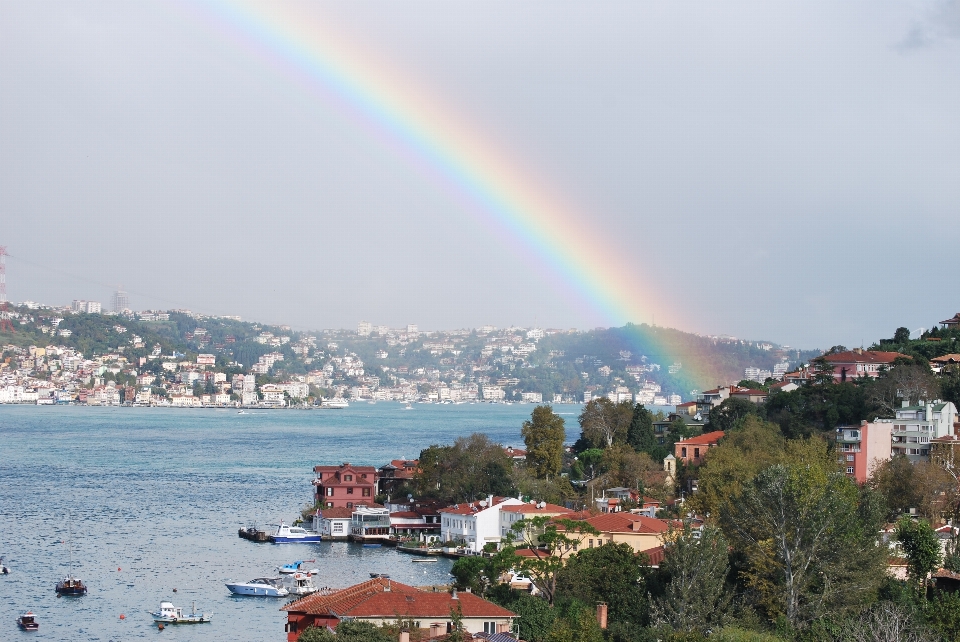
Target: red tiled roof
338	512
947	358
531	509
748	391
655	555
625	523
471	508
866	356
382	597
709	439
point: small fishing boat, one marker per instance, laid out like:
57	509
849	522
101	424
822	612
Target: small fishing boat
170	614
4	569
372	545
261	587
71	585
294	534
28	621
424	559
374	576
294	567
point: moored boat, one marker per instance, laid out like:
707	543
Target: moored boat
71	585
335	403
294	534
293	567
261	587
170	614
301	583
28	621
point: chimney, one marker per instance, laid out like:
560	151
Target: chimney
928	414
404	635
454	596
489	501
602	614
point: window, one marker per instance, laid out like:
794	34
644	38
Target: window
348	478
489	627
329	504
849	457
363	476
683	452
337	527
349	504
696	453
350	491
366	492
591	543
849	470
329	491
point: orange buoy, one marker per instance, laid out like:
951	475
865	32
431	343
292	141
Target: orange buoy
160	625
118	569
123	617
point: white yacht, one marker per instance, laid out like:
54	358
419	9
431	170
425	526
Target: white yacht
262	586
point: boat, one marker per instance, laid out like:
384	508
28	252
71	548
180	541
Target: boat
28	621
262	587
372	545
170	614
241	412
294	567
4	569
71	585
408	407
301	583
334	404
374	576
294	534
424	559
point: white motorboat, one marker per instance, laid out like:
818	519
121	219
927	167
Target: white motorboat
261	587
301	583
170	614
287	534
334	403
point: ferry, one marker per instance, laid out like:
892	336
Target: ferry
294	534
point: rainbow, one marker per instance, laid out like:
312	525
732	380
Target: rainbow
405	117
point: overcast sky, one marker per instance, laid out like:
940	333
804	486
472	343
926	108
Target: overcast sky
779	171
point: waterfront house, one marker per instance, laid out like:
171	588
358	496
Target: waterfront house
639	531
513	513
333	523
345	485
693	450
370	523
415	519
395	474
474	523
382	600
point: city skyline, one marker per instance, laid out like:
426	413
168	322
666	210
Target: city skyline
746	170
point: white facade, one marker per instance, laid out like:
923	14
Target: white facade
475	523
915	426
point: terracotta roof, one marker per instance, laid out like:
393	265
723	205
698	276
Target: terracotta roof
748	391
345	466
382	597
531	509
954	320
687	404
947	358
338	512
471	508
626	523
655	555
709	438
865	356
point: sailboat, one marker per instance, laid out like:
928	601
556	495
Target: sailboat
70	585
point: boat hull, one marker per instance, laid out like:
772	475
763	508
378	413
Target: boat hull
257	591
286	539
186	619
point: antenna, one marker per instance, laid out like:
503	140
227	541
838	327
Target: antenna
5	325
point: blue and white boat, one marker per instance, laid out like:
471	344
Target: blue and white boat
294	534
261	587
293	567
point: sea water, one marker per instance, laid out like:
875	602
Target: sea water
148	501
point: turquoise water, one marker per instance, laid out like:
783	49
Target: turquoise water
146	500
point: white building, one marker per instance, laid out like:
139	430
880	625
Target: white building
493	393
474	523
915	426
531	397
364	328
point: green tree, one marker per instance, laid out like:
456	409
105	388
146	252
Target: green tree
730	414
469	469
549	542
579	624
919	543
604	423
901	336
640	432
696	596
347	631
807	537
612	573
543	436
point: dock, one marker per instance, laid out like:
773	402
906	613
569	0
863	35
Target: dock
255	535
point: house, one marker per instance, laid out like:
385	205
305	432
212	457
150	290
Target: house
345	485
693	450
415	519
937	364
395	474
333	523
861	448
952	322
748	394
639	531
370	523
915	426
516	454
474	523
382	600
511	514
694	423
852	364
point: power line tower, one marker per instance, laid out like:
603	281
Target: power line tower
5	325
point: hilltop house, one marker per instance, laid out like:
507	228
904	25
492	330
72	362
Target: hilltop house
852	364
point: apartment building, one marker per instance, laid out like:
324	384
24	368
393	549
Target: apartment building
861	448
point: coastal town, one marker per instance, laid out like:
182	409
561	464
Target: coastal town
82	354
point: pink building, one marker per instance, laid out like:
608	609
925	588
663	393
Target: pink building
345	486
853	364
861	449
